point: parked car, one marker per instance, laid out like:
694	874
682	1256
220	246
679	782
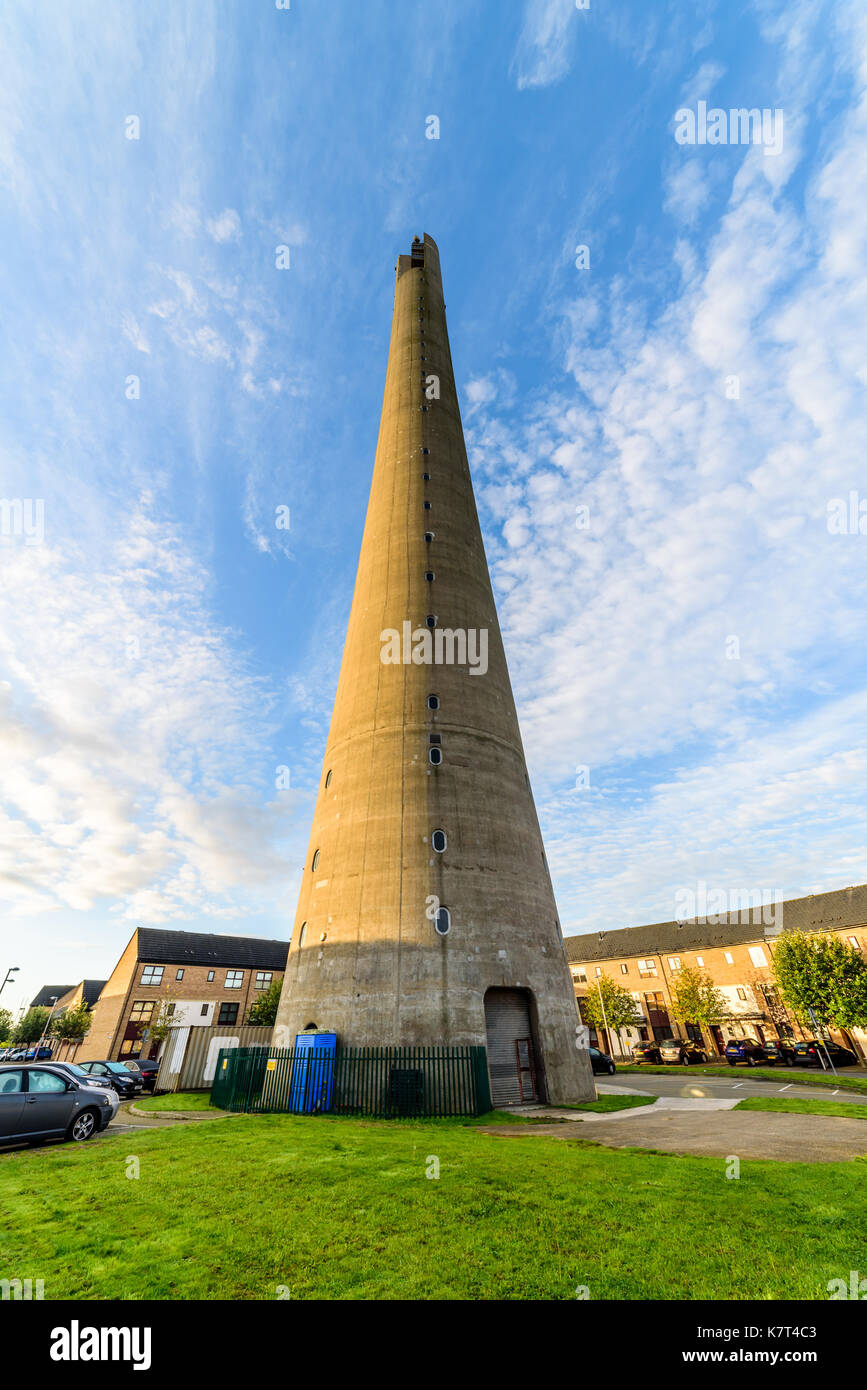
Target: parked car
780	1052
601	1062
125	1082
17	1054
42	1102
148	1070
745	1050
807	1054
647	1052
103	1083
38	1054
681	1050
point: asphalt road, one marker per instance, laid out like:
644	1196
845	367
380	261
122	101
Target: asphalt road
737	1086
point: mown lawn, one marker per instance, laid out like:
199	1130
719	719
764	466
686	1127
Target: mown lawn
176	1100
344	1209
803	1107
793	1075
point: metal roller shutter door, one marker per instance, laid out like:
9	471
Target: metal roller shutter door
507	1018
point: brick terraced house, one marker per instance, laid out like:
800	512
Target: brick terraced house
211	978
735	950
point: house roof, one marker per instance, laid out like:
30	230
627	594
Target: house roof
846	907
157	946
47	993
92	989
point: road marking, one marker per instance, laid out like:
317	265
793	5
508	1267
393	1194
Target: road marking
736	1084
786	1088
835	1093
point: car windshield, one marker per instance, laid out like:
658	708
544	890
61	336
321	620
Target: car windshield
132	1066
117	1067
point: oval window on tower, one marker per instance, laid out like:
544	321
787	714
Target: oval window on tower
426	505
315	864
429	535
429	576
328	778
433	701
438	840
425	477
431	619
436	756
443	921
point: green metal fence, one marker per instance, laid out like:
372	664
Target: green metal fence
382	1081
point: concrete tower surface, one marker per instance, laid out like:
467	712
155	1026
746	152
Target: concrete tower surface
426	913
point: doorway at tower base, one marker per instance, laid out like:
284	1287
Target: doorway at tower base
513	1054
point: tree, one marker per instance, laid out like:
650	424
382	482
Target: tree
263	1013
620	1009
163	1021
5	1025
31	1027
695	999
818	971
72	1025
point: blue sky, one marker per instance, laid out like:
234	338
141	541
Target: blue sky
166	647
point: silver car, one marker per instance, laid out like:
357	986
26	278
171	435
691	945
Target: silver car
44	1102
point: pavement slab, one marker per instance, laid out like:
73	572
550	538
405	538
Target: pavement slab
747	1134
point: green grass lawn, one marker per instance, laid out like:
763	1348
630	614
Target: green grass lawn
792	1075
803	1107
176	1100
343	1209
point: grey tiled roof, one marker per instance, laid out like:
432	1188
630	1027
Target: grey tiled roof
47	993
846	907
160	947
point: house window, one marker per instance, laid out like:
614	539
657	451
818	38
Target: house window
179	975
699	960
674	962
854	943
436	756
438	840
730	960
315	864
579	974
647	967
228	1013
204	1011
742	994
152	975
757	955
443	921
210	976
141	1011
624	969
328	779
234	979
263	978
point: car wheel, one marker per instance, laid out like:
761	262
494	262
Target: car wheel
751	1062
611	1069
730	1062
83	1126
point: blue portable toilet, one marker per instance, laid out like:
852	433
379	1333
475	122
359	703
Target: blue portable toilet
312	1073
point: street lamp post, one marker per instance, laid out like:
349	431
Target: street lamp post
53	1000
9	973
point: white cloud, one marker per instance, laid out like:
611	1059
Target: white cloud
543	50
225	227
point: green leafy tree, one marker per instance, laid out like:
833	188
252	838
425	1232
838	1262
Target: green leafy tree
31	1027
6	1025
616	1007
72	1025
695	999
818	971
263	1012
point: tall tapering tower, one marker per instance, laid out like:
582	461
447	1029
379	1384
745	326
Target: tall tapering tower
426	913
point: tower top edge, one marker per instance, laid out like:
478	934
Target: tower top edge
423	255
